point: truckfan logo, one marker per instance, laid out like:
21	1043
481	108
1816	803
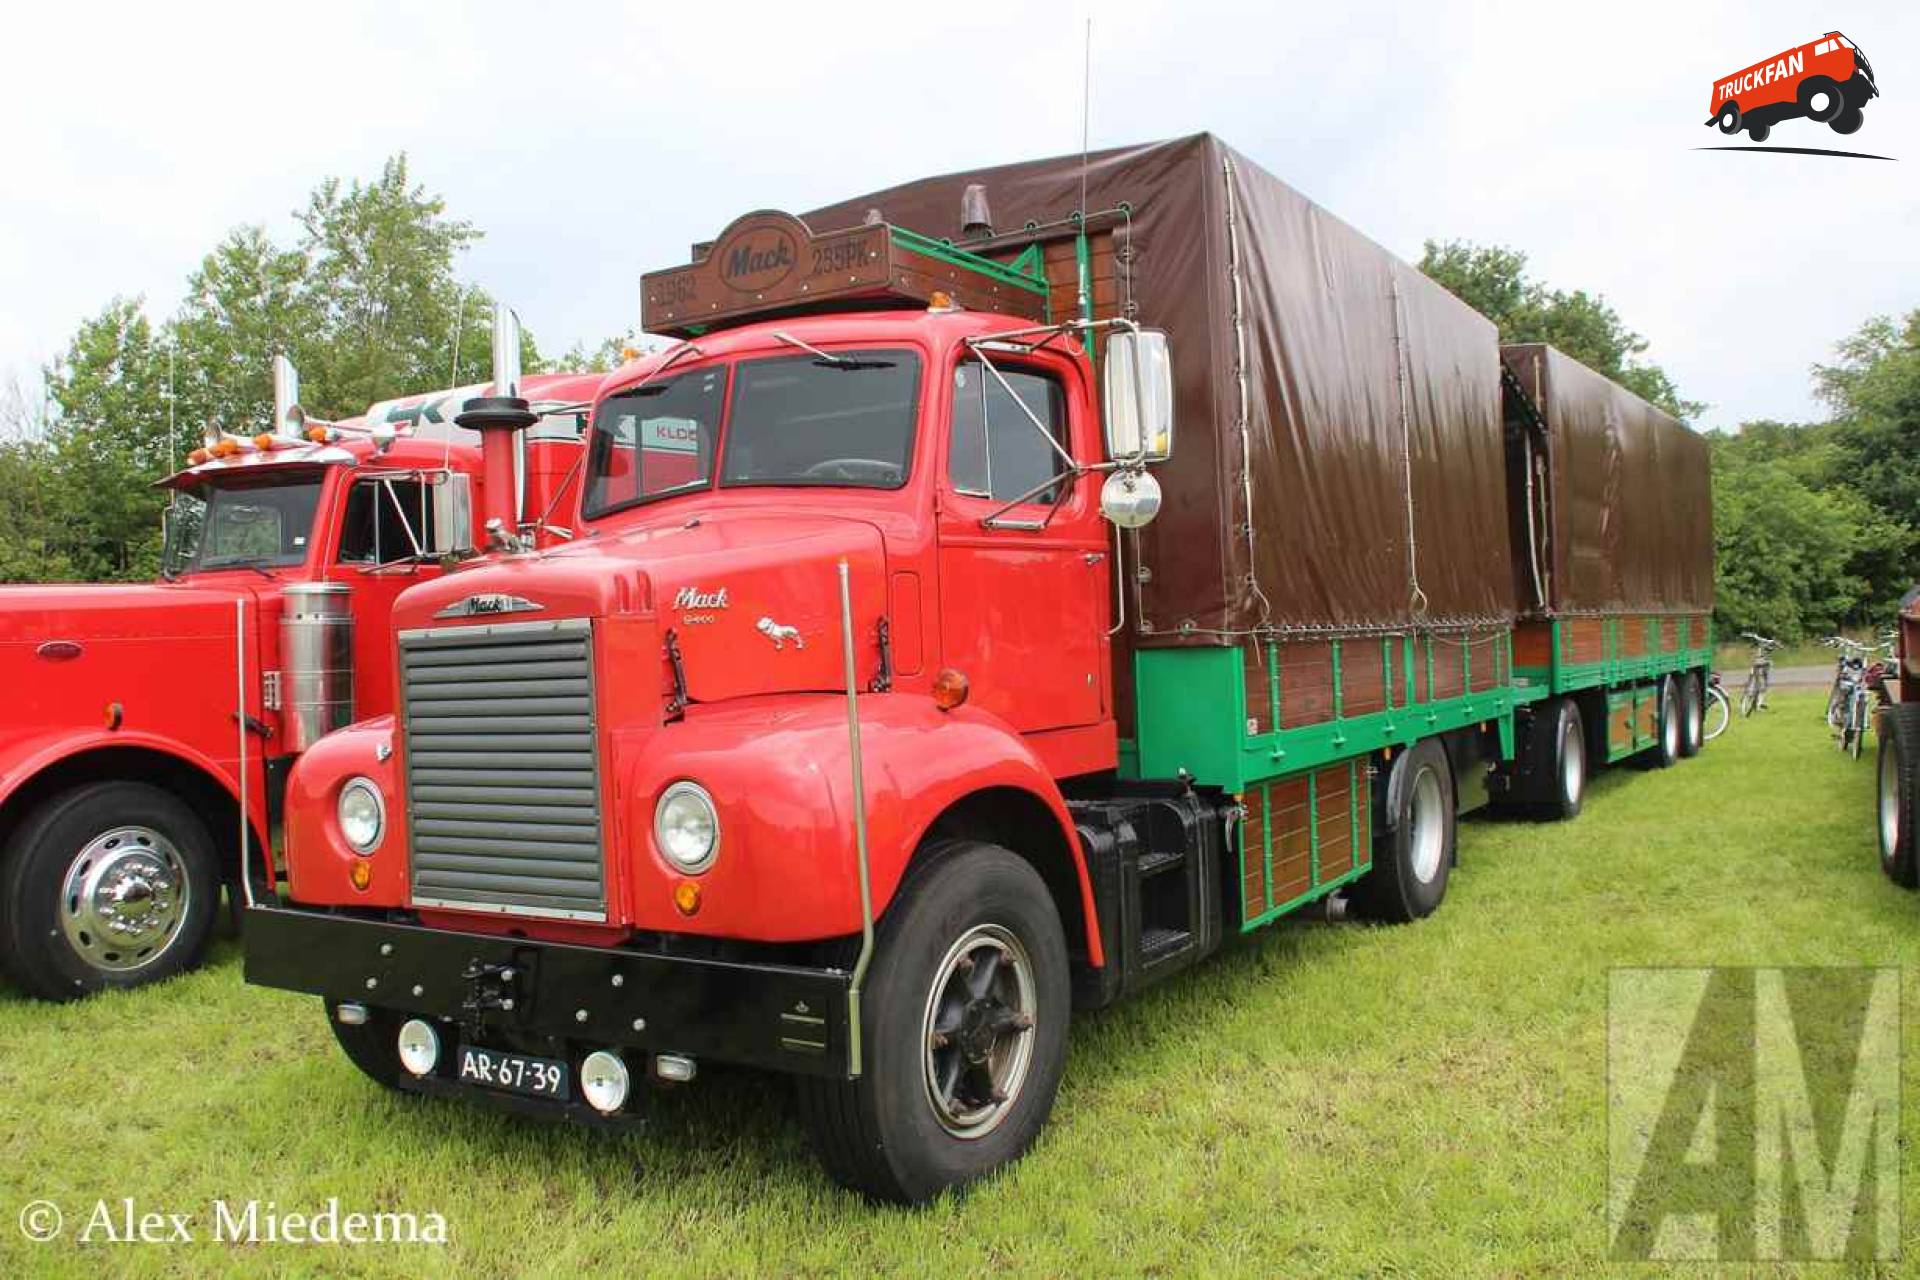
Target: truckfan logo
1827	81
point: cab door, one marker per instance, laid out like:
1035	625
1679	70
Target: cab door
1023	587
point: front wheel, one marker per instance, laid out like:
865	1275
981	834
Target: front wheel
1820	98
964	1031
1899	780
110	884
1719	712
1750	697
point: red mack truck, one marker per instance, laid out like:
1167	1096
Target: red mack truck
906	688
131	709
1898	800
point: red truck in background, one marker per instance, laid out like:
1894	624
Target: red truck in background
1828	80
120	739
1898	798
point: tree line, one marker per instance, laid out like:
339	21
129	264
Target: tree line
1815	523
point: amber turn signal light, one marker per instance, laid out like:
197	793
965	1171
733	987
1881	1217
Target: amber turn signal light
263	442
949	689
317	434
686	897
197	457
361	873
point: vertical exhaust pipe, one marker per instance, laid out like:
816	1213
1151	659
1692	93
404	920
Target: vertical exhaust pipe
499	419
289	419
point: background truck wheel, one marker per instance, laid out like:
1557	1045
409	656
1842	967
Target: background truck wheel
1899	778
1666	730
1759	132
373	1046
1413	857
1820	98
1729	118
1693	715
110	884
1848	121
964	1031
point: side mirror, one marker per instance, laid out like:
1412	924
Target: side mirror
453	516
1139	395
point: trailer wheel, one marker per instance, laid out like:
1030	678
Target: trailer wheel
1413	856
1820	98
109	884
1729	119
963	1028
1667	731
372	1046
1758	132
1899	798
1693	719
1848	120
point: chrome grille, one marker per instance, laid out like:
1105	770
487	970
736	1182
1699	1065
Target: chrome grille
503	769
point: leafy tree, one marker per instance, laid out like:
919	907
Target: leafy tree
605	358
1874	390
245	303
1493	280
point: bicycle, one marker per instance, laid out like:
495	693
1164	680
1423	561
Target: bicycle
1753	697
1860	688
1719	710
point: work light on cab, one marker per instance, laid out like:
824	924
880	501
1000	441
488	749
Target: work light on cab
687	827
363	817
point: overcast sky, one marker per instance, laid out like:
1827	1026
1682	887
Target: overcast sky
592	142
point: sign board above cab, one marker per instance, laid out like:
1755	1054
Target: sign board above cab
771	263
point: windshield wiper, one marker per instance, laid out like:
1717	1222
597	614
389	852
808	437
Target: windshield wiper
238	564
828	359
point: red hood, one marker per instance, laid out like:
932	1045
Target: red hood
753	598
164	653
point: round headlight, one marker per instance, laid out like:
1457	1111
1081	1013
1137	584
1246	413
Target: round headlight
363	816
604	1081
687	827
419	1046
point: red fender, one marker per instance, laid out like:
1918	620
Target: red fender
778	770
24	759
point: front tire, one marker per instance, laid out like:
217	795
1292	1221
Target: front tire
1899	792
1821	98
109	884
964	1031
1413	857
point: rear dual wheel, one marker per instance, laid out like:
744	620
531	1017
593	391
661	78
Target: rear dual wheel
1693	714
1413	858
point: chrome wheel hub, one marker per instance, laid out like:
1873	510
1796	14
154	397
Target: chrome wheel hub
1429	835
1670	727
1696	718
124	899
1889	804
978	1031
1573	766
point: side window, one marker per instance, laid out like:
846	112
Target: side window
994	449
384	519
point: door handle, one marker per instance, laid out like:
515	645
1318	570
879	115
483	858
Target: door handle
1094	557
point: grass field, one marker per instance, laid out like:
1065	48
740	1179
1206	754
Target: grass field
1327	1098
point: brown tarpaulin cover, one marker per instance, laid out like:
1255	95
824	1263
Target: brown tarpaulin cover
1354	361
1629	493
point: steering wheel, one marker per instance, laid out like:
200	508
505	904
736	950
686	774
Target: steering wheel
857	470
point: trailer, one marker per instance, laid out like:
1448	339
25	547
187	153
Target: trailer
143	719
931	689
1611	518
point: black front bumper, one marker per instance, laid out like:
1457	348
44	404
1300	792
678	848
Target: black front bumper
511	990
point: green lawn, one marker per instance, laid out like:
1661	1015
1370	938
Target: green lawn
1341	1099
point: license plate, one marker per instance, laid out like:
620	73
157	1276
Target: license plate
513	1072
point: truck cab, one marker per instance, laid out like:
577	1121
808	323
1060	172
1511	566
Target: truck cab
144	717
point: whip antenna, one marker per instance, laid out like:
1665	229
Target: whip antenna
1086	135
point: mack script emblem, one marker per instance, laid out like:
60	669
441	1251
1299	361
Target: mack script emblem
695	598
481	605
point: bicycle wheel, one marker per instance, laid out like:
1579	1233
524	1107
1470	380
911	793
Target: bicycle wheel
1750	696
1857	723
1719	713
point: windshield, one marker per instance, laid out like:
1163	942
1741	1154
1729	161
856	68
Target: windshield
227	526
797	420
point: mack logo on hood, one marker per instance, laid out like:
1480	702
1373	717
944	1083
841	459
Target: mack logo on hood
489	603
695	598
